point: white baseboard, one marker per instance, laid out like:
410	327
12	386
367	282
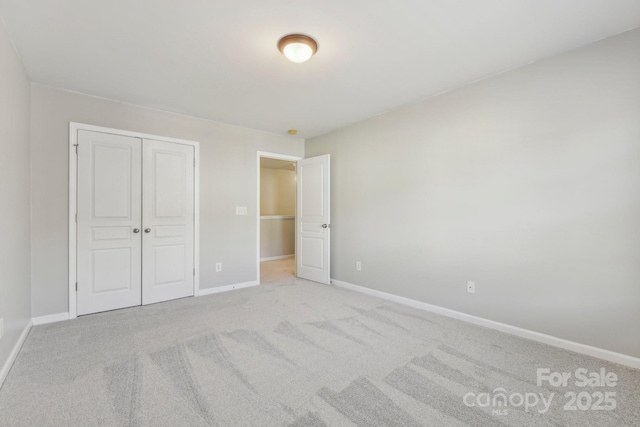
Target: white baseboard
588	350
227	288
51	318
14	353
275	258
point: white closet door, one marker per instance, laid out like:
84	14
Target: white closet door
313	226
109	222
168	221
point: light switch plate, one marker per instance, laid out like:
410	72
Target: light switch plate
241	210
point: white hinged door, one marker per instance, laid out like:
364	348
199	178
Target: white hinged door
313	225
108	222
135	221
168	221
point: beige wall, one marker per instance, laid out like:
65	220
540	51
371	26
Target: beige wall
227	179
527	183
15	290
277	192
277	237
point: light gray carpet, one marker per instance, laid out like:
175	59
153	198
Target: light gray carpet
288	353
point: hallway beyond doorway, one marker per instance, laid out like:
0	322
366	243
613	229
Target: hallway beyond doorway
281	271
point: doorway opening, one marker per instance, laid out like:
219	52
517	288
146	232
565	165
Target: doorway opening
276	246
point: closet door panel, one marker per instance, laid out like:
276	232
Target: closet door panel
168	221
109	213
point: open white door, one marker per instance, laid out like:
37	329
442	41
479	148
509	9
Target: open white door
108	222
313	226
168	221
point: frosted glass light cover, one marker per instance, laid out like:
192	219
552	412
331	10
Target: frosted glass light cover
298	52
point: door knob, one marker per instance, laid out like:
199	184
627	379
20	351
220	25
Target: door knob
325	225
147	230
136	230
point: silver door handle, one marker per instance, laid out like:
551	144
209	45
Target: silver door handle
136	230
325	225
147	230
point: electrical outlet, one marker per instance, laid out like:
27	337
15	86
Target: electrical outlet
1	328
218	267
358	266
471	287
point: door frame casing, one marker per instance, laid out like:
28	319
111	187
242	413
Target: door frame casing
73	180
276	156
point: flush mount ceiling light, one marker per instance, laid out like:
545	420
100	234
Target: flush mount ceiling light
297	47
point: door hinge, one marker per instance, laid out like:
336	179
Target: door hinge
76	218
76	145
76	286
194	271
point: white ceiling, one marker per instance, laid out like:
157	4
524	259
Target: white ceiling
217	59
